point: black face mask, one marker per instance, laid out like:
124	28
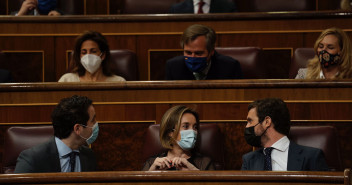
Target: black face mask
251	138
326	59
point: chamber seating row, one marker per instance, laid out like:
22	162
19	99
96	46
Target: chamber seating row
254	66
211	143
78	7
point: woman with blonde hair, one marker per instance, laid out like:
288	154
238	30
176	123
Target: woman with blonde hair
178	134
333	59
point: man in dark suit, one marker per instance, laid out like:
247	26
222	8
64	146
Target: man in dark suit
207	6
268	124
200	60
75	126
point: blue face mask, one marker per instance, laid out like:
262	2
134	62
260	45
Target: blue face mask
188	139
95	133
45	6
196	64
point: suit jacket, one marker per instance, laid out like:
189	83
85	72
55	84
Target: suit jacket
300	158
5	76
45	158
216	6
222	67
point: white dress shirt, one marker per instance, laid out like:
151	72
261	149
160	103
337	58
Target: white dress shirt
279	155
206	6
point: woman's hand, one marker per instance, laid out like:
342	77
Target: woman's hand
27	6
182	164
160	163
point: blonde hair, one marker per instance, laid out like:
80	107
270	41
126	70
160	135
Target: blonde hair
346	5
345	65
171	121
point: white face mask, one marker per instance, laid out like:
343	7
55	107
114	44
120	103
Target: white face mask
91	62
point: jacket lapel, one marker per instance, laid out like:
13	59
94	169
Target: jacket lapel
295	159
189	6
54	156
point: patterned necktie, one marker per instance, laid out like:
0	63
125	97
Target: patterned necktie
200	7
267	159
199	76
73	160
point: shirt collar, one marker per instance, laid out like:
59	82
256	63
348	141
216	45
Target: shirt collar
62	148
282	144
196	2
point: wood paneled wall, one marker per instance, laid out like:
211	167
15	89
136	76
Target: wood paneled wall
124	111
278	34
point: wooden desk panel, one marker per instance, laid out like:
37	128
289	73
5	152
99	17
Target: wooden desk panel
178	177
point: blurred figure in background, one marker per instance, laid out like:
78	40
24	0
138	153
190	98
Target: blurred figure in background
204	6
39	7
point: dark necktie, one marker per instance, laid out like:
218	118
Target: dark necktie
200	7
73	160
267	159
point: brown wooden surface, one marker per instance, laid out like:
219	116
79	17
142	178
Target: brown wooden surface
126	109
178	177
279	34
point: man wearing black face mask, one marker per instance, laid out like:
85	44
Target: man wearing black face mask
200	60
268	124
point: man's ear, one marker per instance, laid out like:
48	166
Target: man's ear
77	129
267	121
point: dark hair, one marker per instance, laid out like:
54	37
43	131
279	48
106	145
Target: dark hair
70	111
103	47
196	30
277	110
170	121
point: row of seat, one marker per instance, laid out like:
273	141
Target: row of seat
125	61
211	142
77	7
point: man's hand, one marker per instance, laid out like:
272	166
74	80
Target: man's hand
27	6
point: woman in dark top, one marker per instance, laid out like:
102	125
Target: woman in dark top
178	133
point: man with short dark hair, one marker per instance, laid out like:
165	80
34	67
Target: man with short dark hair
268	125
200	61
75	126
